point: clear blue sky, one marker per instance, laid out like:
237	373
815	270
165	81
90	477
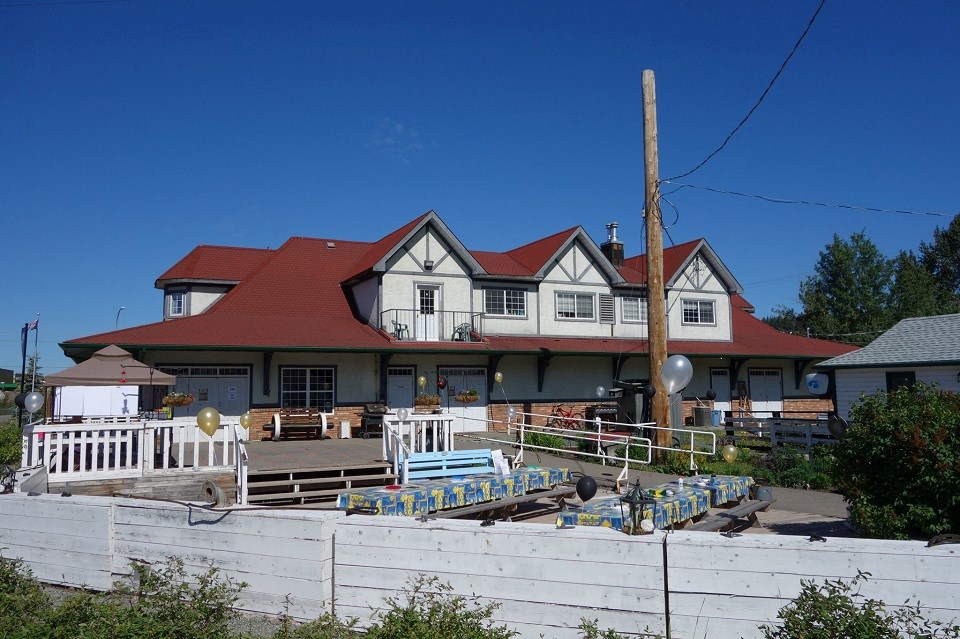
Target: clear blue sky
131	131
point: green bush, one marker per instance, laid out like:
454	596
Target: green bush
10	442
898	464
532	438
429	611
835	610
22	601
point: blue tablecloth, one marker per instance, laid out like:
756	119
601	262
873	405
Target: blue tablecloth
426	496
680	505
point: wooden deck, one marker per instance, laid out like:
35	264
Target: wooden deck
313	454
307	471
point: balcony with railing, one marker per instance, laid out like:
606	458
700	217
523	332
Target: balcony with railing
439	326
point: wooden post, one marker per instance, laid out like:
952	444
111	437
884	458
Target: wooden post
657	316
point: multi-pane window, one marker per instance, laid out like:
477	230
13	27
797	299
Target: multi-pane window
698	312
634	309
428	301
176	303
505	301
574	306
307	388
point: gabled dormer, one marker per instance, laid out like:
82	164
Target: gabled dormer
205	275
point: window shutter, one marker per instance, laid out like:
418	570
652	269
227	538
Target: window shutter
607	314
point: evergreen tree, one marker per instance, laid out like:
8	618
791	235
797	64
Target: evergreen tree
916	292
942	258
848	296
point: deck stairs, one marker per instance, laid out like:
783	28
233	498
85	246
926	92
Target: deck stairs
308	485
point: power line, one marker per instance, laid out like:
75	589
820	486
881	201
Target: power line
779	200
762	95
59	3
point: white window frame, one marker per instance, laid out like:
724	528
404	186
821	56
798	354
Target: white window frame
504	293
181	297
316	398
643	309
698	310
576	306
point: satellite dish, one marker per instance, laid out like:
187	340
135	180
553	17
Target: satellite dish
837	426
817	383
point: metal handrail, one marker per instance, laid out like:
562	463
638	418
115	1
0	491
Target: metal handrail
242	463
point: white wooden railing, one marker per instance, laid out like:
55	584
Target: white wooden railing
415	434
107	447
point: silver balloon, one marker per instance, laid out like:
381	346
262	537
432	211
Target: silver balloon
511	413
33	402
402	414
601	391
676	373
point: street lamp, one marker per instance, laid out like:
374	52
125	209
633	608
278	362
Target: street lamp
117	322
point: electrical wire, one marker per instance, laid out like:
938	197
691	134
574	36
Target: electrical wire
780	200
760	99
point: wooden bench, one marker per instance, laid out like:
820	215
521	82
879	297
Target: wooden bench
451	463
297	424
745	513
506	506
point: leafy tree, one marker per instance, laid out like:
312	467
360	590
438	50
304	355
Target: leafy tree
850	290
916	292
942	256
33	364
787	320
898	463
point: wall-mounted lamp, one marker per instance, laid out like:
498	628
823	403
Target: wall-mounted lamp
428	265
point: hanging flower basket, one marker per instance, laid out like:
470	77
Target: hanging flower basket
467	398
426	400
178	399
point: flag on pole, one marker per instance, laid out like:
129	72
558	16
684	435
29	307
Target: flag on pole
34	324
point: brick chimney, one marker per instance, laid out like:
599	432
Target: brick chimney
613	248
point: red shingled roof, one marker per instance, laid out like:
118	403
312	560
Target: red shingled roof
216	263
634	268
292	297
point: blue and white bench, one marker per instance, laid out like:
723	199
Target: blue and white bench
451	463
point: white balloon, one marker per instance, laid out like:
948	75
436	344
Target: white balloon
32	402
676	373
511	413
601	391
402	414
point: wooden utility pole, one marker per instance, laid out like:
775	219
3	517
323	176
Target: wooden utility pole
656	304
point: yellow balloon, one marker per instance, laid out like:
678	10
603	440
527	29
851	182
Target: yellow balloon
422	381
208	419
498	377
246	420
729	453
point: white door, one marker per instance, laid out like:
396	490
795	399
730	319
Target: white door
427	326
467	417
720	383
766	392
400	385
233	395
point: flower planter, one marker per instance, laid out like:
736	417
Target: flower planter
466	399
177	400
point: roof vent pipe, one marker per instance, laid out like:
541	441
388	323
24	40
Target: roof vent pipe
612	231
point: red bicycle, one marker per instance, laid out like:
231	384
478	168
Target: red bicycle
563	418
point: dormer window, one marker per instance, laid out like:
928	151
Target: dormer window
177	303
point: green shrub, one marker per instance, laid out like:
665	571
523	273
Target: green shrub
10	442
22	600
430	611
898	464
835	610
590	630
532	438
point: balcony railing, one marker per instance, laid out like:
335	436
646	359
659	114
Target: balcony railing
439	326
